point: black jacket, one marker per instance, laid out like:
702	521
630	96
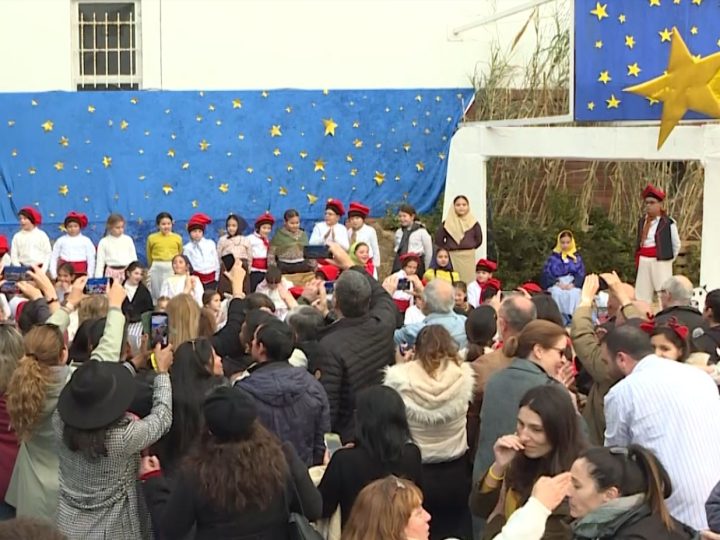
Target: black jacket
141	303
177	506
685	315
356	351
226	341
640	524
663	237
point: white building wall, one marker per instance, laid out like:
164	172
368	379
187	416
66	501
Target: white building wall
263	44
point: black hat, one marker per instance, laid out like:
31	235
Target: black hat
229	413
98	394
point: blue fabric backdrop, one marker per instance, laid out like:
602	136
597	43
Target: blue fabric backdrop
138	153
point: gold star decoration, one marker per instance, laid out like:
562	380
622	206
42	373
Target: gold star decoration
134	100
249	170
185	166
167	189
441	156
290	168
124	125
275	131
613	102
59	166
204	145
357	143
634	70
32	170
319	165
665	35
353	172
63	190
303	154
171	153
687	85
591	105
652	101
47	125
312	199
622	18
11	123
330	126
598	44
264	94
379	178
600	11
224	188
194	203
33	102
288	109
694	30
654	3
106	161
697	2
406	146
676	2
629	42
64	141
211	107
14	152
282	191
420	166
276	152
356	124
236	104
91	108
604	77
349	158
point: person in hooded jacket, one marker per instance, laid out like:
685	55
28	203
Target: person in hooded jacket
291	402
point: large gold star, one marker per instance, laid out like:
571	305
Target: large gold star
312	199
330	126
600	11
686	85
275	131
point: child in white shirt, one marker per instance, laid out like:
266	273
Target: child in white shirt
115	251
74	247
259	247
202	252
30	245
331	231
275	287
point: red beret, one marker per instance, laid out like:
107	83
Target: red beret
531	287
78	217
409	257
198	221
336	206
329	271
358	209
4	246
267	217
484	264
32	214
654	192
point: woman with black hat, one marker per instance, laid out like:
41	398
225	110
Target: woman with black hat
240	482
101	445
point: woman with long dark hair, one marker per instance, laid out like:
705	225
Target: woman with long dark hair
620	493
383	446
195	372
547	441
239	482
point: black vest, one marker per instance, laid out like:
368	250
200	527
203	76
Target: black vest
663	238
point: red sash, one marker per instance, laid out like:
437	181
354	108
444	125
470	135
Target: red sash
402	305
645	252
259	264
80	267
370	267
205	278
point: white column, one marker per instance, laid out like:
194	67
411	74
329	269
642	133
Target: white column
150	53
709	253
467	175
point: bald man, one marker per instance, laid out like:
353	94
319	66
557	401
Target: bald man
675	300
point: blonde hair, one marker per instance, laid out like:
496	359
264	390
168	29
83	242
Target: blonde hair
435	347
28	385
184	318
92	307
382	510
112	220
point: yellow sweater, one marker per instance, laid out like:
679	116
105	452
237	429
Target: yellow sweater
450	277
161	247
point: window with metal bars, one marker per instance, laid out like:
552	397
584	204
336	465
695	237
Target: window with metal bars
107	46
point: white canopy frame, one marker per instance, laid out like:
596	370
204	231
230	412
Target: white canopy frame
473	144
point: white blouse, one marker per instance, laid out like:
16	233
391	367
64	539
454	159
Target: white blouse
30	247
203	256
175	285
73	249
114	251
322	234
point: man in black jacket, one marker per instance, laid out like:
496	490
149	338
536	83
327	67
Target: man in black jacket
358	345
675	299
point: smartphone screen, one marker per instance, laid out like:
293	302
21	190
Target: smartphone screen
9	287
97	285
228	262
316	252
403	284
332	443
159	329
16	273
329	287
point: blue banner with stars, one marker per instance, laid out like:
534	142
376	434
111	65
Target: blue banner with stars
619	45
139	153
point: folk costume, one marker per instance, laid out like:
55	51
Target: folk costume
324	234
564	269
78	250
30	247
461	236
287	249
202	253
474	289
365	234
259	251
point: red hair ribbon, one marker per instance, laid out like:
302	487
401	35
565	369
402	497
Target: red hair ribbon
680	329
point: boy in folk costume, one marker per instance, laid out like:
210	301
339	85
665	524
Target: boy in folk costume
202	252
331	230
483	273
30	245
74	247
259	247
359	231
657	245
